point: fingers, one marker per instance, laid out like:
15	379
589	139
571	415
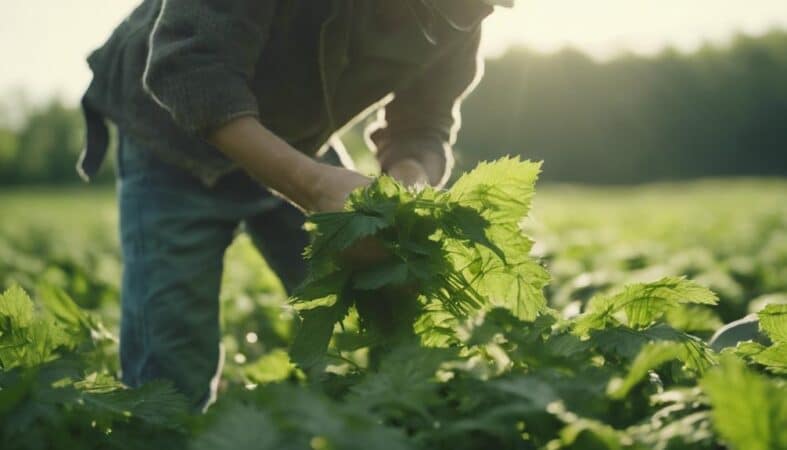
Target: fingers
409	172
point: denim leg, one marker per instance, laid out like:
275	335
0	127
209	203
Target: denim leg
174	232
279	236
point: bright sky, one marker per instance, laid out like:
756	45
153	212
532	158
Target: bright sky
43	42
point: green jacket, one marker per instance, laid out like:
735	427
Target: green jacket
176	69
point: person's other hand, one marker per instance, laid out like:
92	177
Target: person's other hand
427	169
409	172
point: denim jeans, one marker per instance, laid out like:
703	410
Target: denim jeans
174	231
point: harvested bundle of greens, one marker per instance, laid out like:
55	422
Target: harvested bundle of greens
451	254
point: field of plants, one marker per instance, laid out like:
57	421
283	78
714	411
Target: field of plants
574	318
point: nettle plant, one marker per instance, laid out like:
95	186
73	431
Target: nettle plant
451	254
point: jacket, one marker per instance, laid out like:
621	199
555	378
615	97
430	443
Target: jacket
176	69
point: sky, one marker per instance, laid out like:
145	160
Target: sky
43	43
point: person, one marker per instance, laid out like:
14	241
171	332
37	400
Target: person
219	103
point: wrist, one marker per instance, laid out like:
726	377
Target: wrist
309	182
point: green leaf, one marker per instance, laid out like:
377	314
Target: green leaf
503	273
501	191
392	273
405	383
314	420
587	434
747	349
682	422
749	411
535	391
623	342
272	367
773	322
466	224
517	287
239	427
16	309
58	303
319	290
693	354
310	344
694	319
335	232
28	339
774	358
156	403
643	303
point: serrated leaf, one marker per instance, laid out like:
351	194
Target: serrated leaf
326	424
501	191
749	411
516	287
156	403
30	337
239	427
467	224
392	273
746	349
774	358
535	391
16	309
404	384
693	354
693	319
773	322
682	422
643	303
338	231
310	344
58	303
623	342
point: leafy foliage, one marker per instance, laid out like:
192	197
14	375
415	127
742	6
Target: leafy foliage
450	343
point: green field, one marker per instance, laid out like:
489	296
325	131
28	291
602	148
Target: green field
726	235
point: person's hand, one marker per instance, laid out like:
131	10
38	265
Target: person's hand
428	169
331	187
409	172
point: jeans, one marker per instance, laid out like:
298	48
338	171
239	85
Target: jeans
174	231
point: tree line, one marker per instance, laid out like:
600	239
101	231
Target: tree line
718	111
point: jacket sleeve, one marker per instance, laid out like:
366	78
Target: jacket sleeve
201	56
422	120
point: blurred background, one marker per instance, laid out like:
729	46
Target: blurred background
605	92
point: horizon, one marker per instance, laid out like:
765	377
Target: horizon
716	44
